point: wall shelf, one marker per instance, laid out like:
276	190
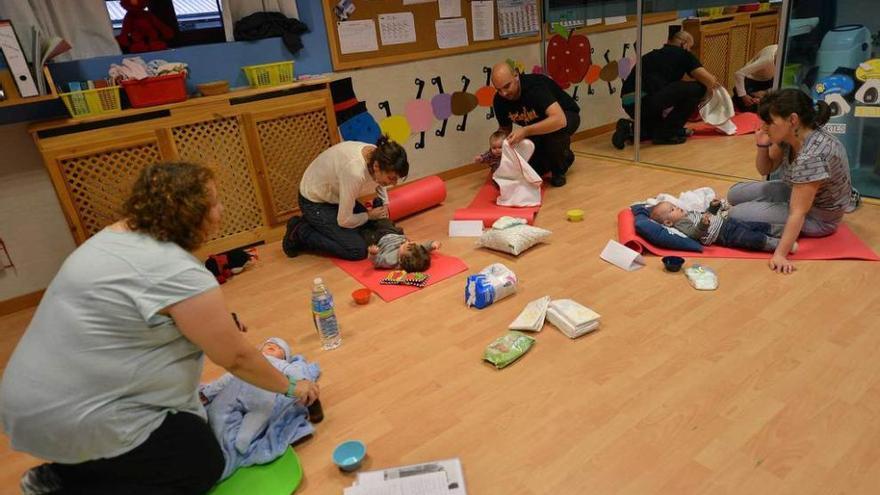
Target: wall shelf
12	96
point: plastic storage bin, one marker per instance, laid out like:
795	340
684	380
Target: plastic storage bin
263	75
844	46
158	90
90	102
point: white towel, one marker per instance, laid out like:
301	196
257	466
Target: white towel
718	110
517	181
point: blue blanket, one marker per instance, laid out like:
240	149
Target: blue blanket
255	426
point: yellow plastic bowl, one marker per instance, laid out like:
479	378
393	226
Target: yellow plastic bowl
575	215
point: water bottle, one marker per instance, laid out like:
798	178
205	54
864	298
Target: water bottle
325	316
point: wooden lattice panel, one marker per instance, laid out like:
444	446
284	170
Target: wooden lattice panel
99	183
289	145
715	53
219	145
739	51
763	36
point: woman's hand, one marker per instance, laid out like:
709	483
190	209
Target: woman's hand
749	100
373	250
306	391
378	212
761	137
781	264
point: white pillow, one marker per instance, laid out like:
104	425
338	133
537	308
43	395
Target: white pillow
513	240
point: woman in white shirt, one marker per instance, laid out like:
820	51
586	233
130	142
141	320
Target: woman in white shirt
755	78
103	382
329	192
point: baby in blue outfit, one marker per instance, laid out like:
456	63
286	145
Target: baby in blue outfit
255	426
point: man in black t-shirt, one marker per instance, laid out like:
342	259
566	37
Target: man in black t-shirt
667	100
544	113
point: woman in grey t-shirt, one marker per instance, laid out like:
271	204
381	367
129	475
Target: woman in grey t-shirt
814	192
104	381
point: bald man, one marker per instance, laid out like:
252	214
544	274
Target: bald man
667	100
543	113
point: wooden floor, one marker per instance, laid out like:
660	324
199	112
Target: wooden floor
722	155
769	385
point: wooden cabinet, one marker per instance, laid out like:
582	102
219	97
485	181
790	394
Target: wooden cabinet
724	44
258	142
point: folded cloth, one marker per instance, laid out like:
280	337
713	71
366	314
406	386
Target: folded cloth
532	316
262	25
572	318
695	200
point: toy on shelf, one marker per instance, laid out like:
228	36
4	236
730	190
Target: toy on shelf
141	30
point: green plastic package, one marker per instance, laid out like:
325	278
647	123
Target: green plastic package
507	348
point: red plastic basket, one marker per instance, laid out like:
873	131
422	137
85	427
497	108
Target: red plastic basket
157	90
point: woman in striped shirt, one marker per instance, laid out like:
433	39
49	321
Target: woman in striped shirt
815	186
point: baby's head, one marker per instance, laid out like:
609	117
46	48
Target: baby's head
666	213
413	257
495	141
277	348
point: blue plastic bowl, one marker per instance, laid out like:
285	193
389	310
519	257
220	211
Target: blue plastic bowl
349	455
673	263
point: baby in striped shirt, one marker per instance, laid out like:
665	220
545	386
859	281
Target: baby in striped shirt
710	227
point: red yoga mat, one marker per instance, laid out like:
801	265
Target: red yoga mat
442	267
483	207
746	123
841	245
412	198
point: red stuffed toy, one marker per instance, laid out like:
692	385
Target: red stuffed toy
141	30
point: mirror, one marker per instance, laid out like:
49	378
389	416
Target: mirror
734	45
590	51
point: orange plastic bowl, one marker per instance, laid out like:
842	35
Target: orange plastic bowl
362	296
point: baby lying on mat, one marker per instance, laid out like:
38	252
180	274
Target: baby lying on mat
389	248
710	227
255	426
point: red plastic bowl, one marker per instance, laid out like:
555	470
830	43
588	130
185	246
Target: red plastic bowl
362	296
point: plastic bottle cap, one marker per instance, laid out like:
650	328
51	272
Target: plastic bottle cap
318	281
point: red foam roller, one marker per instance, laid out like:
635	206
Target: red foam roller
415	197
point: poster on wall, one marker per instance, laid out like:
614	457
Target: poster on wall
483	20
450	8
517	18
397	29
357	36
451	32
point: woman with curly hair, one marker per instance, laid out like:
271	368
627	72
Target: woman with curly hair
104	381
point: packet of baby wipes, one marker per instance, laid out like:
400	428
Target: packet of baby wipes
507	348
532	316
701	277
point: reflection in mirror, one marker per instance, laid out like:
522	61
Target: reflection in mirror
702	77
590	50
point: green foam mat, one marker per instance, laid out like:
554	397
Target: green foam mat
280	477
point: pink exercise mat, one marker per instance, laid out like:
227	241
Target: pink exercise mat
442	267
746	123
483	207
841	245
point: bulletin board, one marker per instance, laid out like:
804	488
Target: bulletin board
425	45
